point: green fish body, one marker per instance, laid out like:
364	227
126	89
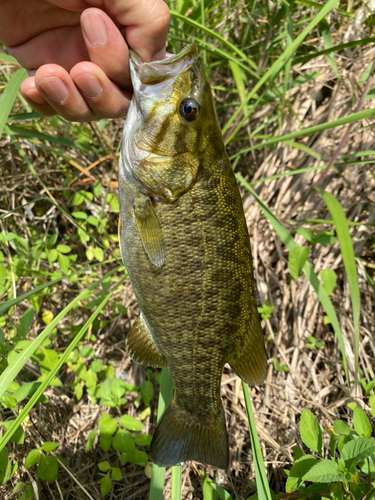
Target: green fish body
185	245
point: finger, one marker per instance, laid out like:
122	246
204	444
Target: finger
54	83
63	46
102	38
145	24
102	95
34	98
85	94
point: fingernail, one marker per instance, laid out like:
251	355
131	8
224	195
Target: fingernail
94	28
34	96
55	89
89	85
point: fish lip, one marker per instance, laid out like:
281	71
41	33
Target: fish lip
157	71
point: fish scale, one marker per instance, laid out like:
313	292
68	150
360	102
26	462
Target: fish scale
184	242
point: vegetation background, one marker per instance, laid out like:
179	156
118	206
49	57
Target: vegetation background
293	85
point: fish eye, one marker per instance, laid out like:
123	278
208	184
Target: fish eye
189	109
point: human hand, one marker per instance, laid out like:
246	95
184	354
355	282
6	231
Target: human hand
77	51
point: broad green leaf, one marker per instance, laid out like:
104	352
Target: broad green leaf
25	391
296	260
78	198
143	439
97	366
341	427
25	322
325	471
63	248
78	391
103	418
118	388
361	423
329	280
311	433
131	423
113	202
136	457
47	468
147	392
105	485
98	254
87	351
48	358
299	469
49	446
123	442
108	427
357	450
90	440
64	263
18	436
116	474
79	215
104	466
335	492
32	458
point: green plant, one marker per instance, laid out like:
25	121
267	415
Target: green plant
350	470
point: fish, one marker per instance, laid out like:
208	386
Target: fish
185	245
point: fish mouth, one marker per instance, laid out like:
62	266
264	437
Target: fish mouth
155	72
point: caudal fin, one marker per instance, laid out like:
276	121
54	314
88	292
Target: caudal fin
183	436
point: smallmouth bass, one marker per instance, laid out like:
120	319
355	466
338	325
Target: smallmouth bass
185	245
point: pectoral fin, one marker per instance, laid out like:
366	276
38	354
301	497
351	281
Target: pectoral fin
149	230
140	346
249	361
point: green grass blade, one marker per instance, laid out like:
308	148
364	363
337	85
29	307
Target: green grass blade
176	483
9	59
327	40
165	398
280	62
214	35
56	368
347	252
289	242
361	115
12	370
12	302
263	489
9	96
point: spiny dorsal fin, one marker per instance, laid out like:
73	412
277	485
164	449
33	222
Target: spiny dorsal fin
149	230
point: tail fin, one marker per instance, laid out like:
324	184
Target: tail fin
183	436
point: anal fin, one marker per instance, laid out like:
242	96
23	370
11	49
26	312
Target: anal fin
249	361
149	230
140	346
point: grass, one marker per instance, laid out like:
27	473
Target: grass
291	93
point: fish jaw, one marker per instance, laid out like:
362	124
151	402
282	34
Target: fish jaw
161	150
